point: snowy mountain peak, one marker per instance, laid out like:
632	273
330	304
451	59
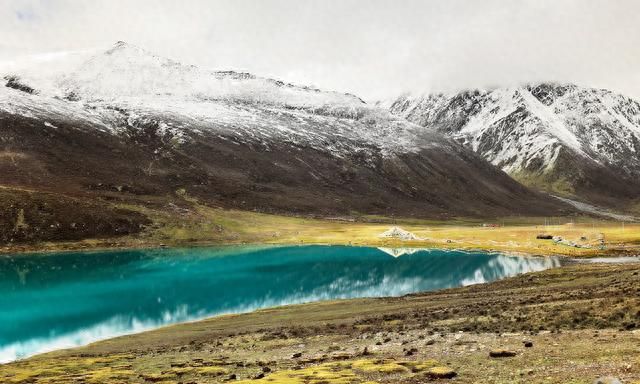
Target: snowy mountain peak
123	120
534	131
125	90
548	93
120	45
132	54
126	73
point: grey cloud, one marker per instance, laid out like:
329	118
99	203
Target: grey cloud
374	48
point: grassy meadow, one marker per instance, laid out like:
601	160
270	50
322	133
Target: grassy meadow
195	224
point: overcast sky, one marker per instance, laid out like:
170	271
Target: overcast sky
374	48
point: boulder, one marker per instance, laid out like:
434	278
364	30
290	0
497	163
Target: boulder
501	353
607	380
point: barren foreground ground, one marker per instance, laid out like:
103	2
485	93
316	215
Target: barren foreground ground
582	322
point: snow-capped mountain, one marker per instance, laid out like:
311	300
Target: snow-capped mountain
575	141
126	72
126	85
125	124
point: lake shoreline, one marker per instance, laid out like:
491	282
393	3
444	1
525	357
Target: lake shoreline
408	322
208	226
176	285
22	251
619	249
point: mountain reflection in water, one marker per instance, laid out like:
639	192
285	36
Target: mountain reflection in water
69	299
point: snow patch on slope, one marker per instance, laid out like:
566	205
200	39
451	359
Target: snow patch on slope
588	208
553	122
125	71
125	88
526	128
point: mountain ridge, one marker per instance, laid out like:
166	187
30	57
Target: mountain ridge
580	142
126	70
241	142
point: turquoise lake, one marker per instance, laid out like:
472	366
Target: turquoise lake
62	300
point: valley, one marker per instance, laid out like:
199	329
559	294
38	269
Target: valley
478	236
229	139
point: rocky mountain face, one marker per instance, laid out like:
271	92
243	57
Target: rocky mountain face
573	141
124	126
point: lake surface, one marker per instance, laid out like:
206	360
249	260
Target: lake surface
62	300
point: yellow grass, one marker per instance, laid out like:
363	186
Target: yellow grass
204	225
213	225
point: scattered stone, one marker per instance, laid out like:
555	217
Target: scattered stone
501	353
297	355
232	377
411	352
259	376
528	343
430	342
266	369
607	380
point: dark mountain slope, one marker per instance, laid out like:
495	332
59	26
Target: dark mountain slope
236	140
